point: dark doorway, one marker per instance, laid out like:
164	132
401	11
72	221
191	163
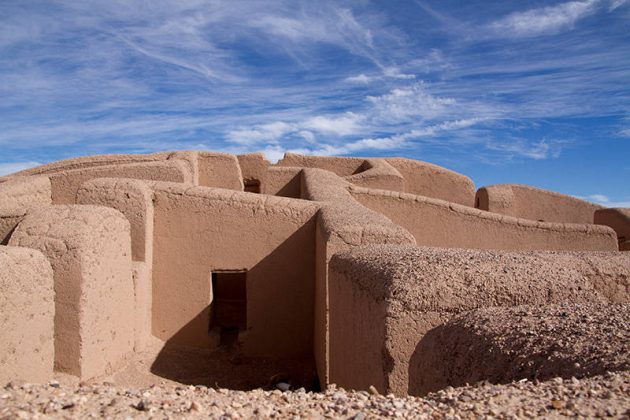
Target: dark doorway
252	186
229	304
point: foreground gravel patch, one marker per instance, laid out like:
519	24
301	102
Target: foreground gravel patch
606	396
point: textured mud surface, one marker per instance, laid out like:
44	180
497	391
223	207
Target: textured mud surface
532	342
605	396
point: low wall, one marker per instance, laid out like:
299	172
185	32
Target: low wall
85	162
619	220
439	223
253	168
27	310
377	173
342	166
384	299
535	204
89	250
134	199
283	182
219	170
200	230
66	184
426	179
25	192
342	223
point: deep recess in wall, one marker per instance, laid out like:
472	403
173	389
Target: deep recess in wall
229	309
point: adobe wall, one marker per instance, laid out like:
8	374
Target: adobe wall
384	299
10	217
439	223
219	170
27	309
66	184
84	162
134	199
17	196
25	192
198	230
530	342
283	182
342	223
619	220
89	250
534	203
377	173
342	166
423	178
253	167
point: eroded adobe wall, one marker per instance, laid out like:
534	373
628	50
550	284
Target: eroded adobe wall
219	170
200	230
534	204
439	223
342	223
253	167
84	162
530	342
90	253
426	179
619	220
342	166
134	199
27	310
377	173
66	184
17	196
384	299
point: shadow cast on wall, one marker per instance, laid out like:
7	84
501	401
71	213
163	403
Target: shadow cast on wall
276	346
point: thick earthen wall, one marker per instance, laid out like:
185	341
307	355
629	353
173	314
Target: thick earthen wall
342	166
439	223
384	299
66	184
377	173
619	220
283	182
342	223
90	253
254	167
85	162
219	170
134	199
201	230
426	179
535	204
25	192
27	309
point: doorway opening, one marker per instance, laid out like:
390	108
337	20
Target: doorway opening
229	304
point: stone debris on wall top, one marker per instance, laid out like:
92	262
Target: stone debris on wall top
348	267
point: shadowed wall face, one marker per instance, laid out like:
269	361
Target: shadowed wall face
198	235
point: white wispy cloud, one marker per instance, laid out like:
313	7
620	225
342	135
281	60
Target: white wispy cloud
606	201
538	150
402	104
11	167
544	20
342	125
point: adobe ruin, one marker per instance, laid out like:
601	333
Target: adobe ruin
317	270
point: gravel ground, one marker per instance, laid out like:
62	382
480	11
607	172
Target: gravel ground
601	396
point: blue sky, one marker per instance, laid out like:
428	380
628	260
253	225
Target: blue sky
533	92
